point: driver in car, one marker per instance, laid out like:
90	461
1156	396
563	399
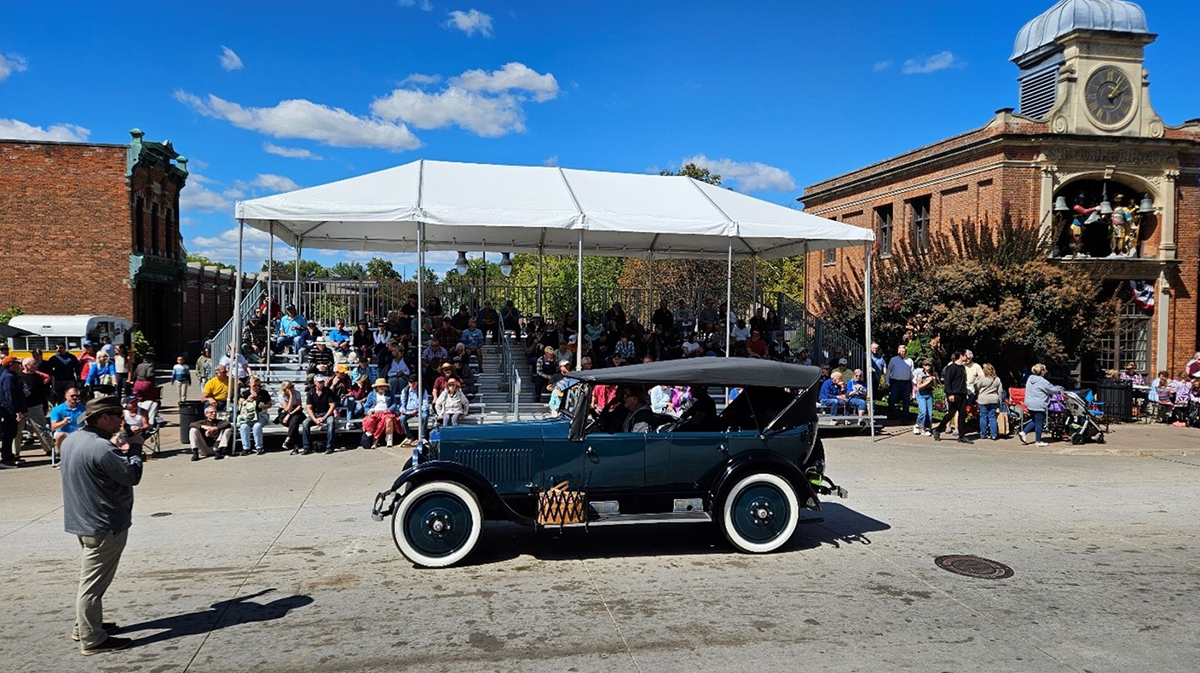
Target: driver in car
640	418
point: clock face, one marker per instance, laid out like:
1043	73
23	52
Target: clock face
1109	95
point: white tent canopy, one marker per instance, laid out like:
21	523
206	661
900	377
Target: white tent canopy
540	209
439	205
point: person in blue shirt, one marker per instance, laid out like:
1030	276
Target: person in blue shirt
411	404
472	340
64	418
338	337
833	394
290	327
856	393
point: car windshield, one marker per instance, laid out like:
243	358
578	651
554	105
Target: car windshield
572	398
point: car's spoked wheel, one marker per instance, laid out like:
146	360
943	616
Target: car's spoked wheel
438	524
760	513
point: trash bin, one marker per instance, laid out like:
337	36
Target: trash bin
190	411
1117	397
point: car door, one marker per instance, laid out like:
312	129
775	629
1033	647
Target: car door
693	457
614	462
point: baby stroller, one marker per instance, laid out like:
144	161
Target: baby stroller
1079	425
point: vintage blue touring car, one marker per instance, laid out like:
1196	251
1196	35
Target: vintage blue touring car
750	467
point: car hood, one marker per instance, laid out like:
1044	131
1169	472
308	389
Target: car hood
516	433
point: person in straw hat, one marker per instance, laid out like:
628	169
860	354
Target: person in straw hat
98	480
381	419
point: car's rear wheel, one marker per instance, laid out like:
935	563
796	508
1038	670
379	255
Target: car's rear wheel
760	513
437	524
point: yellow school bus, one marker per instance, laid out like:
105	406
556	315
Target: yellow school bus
47	331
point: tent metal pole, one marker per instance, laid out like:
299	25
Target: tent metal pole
870	378
754	285
650	288
236	345
270	295
296	268
539	282
579	305
483	294
728	296
420	350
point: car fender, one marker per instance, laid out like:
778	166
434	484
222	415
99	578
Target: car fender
493	505
764	461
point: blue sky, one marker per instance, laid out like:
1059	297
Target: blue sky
265	96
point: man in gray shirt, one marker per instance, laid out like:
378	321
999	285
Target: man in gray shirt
98	479
899	378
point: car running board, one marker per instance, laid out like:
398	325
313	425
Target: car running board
632	519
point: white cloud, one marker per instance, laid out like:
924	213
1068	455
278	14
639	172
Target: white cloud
485	116
419	79
274	183
470	22
255	248
928	64
301	118
425	5
487	104
551	161
750	176
230	60
513	76
195	196
882	65
290	152
14	129
10	64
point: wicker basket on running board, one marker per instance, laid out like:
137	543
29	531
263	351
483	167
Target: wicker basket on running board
558	506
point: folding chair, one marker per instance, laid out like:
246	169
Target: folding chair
152	437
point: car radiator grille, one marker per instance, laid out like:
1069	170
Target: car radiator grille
499	465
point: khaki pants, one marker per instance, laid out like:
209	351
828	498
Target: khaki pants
200	442
101	553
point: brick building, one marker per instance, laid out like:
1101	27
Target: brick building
1085	134
94	229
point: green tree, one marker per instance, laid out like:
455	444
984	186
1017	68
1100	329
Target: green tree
347	270
987	288
10	313
691	170
308	269
193	257
380	269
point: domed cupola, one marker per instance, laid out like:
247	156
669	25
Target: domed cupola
1084	44
1040	36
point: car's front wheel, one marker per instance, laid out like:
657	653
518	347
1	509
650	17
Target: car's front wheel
437	524
760	513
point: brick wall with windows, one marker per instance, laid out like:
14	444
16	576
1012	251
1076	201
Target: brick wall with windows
981	175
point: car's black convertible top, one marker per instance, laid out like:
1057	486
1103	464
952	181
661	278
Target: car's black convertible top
707	371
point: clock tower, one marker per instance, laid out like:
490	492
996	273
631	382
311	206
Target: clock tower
1082	69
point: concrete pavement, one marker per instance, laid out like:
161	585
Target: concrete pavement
271	563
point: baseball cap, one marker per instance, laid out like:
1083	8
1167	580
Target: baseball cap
319	377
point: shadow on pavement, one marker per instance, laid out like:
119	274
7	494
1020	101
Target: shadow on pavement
502	541
221	615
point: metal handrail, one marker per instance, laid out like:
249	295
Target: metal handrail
510	380
814	333
250	301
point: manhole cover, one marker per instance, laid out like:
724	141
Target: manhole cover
973	566
161	514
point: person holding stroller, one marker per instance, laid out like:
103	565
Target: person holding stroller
1038	392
